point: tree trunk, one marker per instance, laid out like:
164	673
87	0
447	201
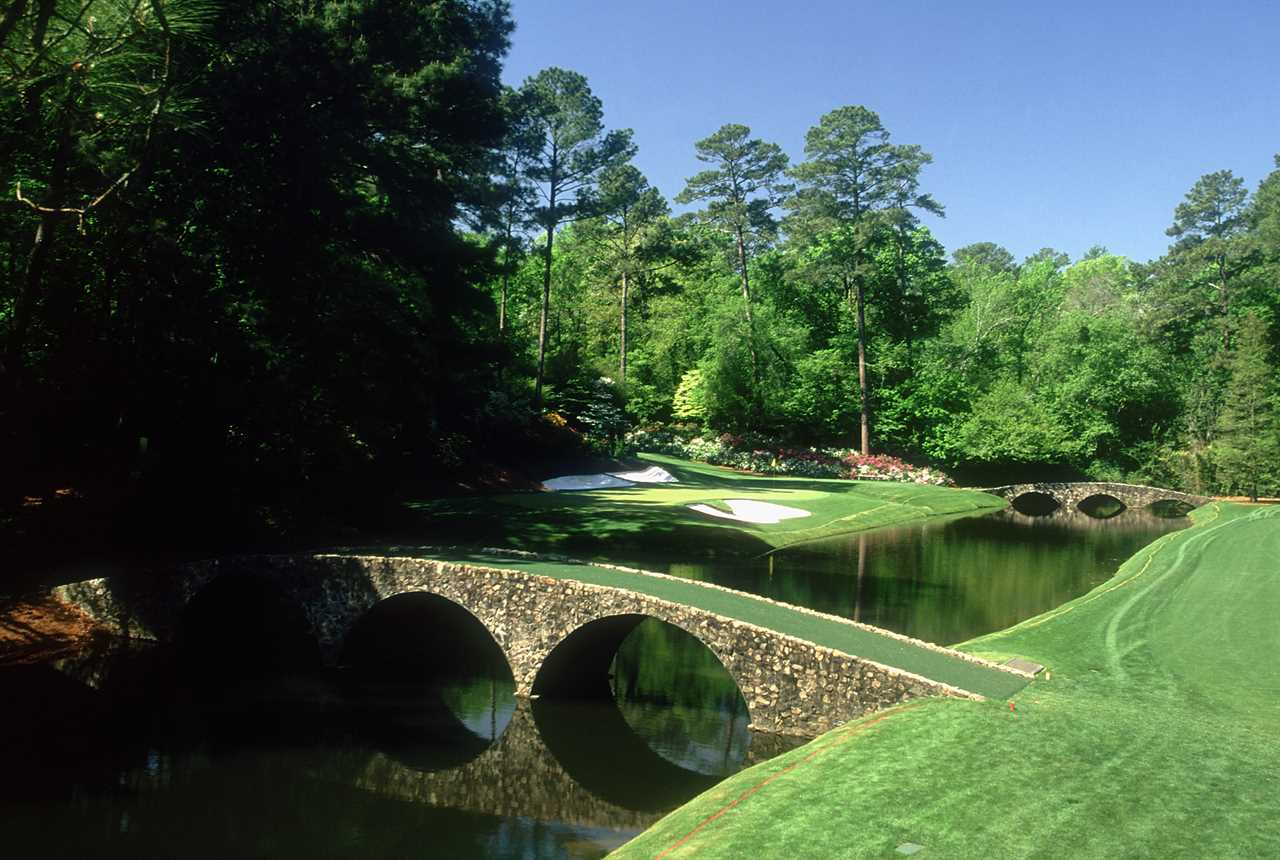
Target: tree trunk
622	349
746	283
502	305
542	319
862	373
506	282
31	282
37	257
11	16
756	394
546	281
1224	301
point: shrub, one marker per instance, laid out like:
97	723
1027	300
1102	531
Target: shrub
767	456
882	467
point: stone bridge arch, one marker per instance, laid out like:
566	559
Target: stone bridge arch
1069	495
790	686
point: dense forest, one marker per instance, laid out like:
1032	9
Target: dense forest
271	252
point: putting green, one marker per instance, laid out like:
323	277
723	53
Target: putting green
1156	733
648	518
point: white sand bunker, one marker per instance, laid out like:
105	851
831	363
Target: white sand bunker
586	482
651	475
747	511
610	480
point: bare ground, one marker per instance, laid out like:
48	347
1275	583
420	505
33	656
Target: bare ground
36	629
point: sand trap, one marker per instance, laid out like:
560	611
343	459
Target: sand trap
586	482
747	511
651	475
605	481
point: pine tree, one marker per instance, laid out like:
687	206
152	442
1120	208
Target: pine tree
572	150
1247	452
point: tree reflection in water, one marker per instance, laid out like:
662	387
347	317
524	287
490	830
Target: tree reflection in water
138	754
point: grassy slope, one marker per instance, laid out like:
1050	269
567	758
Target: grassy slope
831	632
653	518
1158	734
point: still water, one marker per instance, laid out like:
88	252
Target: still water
945	581
181	753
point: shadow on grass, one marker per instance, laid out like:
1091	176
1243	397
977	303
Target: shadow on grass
577	524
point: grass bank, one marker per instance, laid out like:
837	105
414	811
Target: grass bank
1157	733
655	519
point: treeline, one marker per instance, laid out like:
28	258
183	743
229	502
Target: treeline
806	302
237	242
277	249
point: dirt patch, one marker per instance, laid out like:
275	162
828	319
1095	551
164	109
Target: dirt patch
41	628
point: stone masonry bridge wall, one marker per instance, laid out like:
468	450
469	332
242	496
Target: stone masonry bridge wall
790	686
1070	495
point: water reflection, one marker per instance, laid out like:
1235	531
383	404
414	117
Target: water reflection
1035	504
130	754
139	754
1101	506
677	696
946	581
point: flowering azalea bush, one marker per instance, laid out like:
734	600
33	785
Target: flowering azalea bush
882	467
655	442
769	456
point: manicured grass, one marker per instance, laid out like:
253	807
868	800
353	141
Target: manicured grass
827	631
1157	734
656	519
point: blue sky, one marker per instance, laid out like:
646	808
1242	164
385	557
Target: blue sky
1066	124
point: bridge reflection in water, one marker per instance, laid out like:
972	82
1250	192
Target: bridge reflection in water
334	763
582	765
1100	519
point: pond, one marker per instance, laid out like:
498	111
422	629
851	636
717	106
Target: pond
944	581
168	753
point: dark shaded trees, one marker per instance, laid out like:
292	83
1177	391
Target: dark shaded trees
88	88
277	295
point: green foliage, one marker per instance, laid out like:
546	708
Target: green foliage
819	397
334	288
280	308
745	183
1009	425
987	256
690	401
568	151
1105	383
1213	209
1247	450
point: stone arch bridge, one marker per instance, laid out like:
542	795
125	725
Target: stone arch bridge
1069	495
559	636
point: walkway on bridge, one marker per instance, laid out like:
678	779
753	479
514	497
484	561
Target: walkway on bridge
838	634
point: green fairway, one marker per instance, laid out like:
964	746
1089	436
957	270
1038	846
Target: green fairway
834	633
1155	734
655	518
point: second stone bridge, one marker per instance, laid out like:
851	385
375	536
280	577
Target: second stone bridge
1069	495
559	634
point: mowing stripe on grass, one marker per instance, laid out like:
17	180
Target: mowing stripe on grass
824	630
837	737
